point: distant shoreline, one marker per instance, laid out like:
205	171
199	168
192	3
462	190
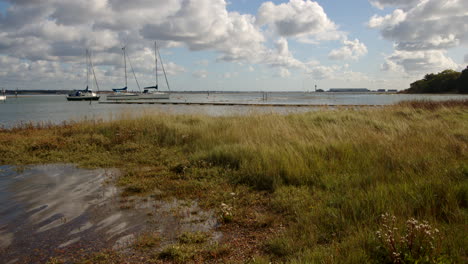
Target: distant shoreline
65	92
11	93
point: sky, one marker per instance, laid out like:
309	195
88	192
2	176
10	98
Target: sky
231	45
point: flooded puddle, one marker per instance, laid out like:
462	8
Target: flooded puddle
54	210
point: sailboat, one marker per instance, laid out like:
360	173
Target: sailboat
150	92
86	94
122	93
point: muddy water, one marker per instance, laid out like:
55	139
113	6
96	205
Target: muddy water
60	210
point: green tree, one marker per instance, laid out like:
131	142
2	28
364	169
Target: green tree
462	82
443	82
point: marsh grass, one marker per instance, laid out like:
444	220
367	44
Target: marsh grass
147	241
193	247
327	176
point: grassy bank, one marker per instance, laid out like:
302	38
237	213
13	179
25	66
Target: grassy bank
324	187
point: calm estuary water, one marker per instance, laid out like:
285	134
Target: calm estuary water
56	109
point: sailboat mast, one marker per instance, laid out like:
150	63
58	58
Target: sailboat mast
156	64
87	70
92	70
125	65
164	70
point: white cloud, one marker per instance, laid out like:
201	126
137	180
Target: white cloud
281	57
13	69
298	18
339	74
207	25
284	73
48	35
391	3
60	30
351	50
391	66
173	69
352	76
283	47
433	24
322	72
419	62
422	32
390	20
200	74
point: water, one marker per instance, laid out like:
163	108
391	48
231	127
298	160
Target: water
60	210
56	109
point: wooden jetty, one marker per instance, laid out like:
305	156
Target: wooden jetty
235	104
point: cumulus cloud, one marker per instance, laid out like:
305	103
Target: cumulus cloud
392	3
387	21
351	50
298	18
415	63
207	25
54	33
12	69
284	73
432	24
422	32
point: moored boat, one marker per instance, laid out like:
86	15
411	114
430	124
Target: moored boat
86	94
83	95
122	93
150	92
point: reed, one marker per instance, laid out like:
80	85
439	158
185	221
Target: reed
328	176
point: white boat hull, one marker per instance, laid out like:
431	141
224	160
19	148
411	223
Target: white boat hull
2	97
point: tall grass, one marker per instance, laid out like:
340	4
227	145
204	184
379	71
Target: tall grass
331	174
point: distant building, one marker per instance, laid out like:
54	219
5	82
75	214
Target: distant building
349	90
392	90
381	90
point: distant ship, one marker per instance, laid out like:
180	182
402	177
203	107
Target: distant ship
3	96
86	94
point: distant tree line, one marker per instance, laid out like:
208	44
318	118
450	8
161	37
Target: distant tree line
448	81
